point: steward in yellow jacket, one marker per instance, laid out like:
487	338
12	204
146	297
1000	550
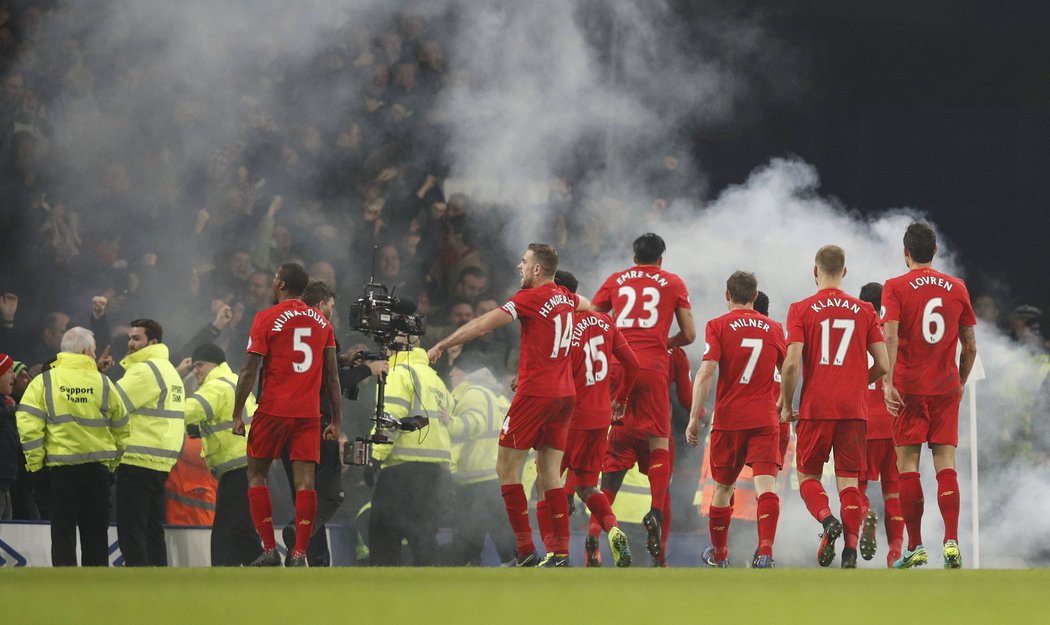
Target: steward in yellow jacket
71	420
154	397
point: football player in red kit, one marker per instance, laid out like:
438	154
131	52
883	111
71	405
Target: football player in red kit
595	343
295	345
926	314
882	461
745	347
829	335
645	299
539	414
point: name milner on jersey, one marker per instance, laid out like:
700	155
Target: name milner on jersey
835	302
554	301
581	327
931	280
748	322
634	273
278	323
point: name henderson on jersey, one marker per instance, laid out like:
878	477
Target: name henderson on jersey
835	302
931	280
278	323
554	301
583	324
634	273
748	322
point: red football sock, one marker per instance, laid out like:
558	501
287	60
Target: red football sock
305	514
595	528
518	513
852	511
659	477
600	509
948	501
719	523
768	515
559	507
865	503
262	515
815	498
894	523
665	529
911	506
546	524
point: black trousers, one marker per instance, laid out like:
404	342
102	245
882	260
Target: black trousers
328	483
478	512
234	541
405	505
141	514
79	499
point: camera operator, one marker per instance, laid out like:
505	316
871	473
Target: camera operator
328	480
414	476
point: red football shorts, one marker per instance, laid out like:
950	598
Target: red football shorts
627	447
269	435
932	419
882	463
816	438
758	448
584	453
649	407
534	422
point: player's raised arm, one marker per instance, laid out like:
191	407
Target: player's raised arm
495	318
686	328
245	383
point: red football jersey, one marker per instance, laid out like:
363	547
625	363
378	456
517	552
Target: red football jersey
643	300
776	372
546	315
835	330
880	421
595	340
291	337
748	347
929	307
679	376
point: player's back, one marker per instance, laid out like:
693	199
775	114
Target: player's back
748	347
546	316
593	339
929	307
643	301
835	330
291	337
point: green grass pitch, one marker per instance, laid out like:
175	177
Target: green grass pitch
496	596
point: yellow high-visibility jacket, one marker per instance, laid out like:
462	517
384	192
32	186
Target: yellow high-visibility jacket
477	417
153	395
71	414
212	407
414	388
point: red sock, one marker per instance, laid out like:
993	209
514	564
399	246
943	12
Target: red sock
595	528
894	523
768	515
948	501
719	523
665	529
865	503
518	513
262	515
852	511
305	514
559	507
815	498
546	524
600	509
659	477
911	506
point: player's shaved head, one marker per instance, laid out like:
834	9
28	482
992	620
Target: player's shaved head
742	287
921	242
649	248
872	294
567	280
545	256
831	260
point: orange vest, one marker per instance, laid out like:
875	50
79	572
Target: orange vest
190	488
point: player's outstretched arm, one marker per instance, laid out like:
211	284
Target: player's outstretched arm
697	411
968	338
788	381
333	393
880	364
245	384
686	328
481	326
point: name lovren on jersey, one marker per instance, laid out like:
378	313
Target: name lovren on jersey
935	281
554	301
581	327
835	302
634	273
278	323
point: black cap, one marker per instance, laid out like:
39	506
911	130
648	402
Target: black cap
209	352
